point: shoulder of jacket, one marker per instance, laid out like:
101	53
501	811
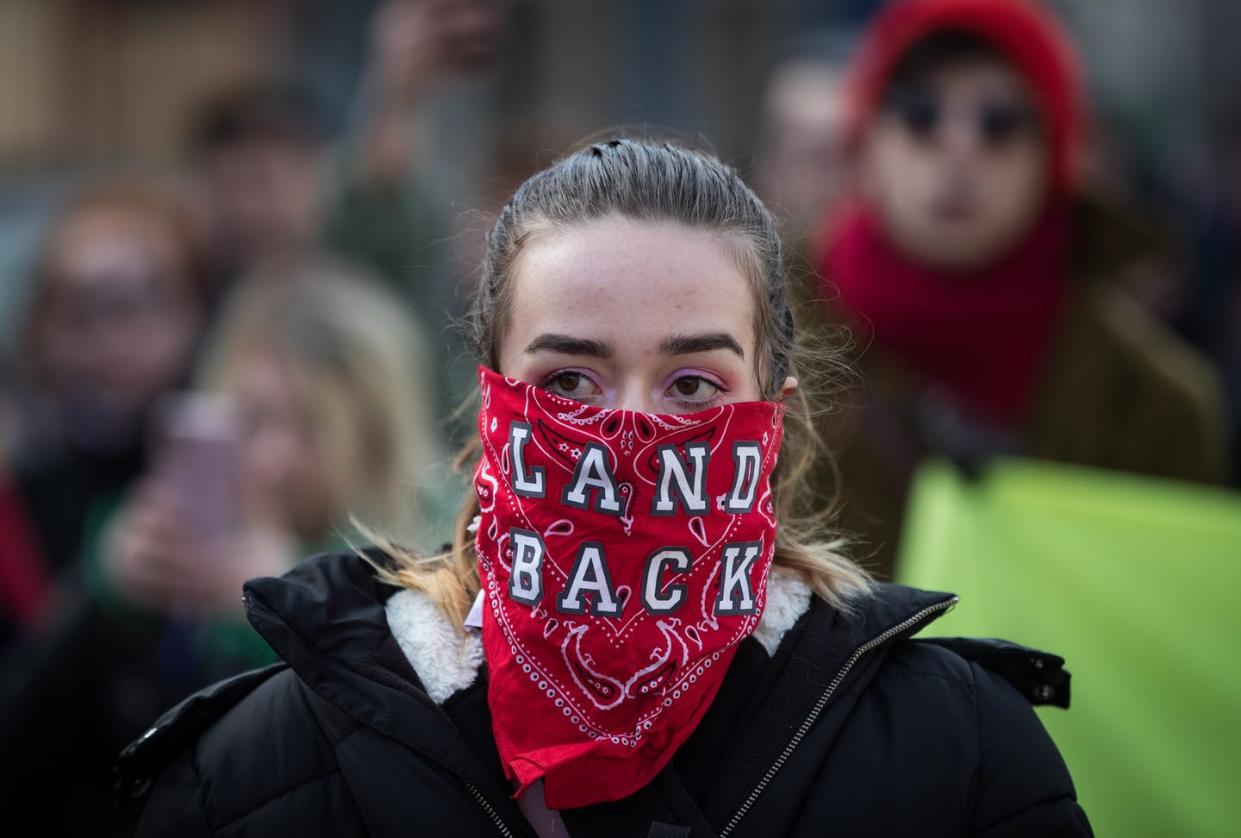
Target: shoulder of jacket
980	692
281	713
263	763
140	760
1039	677
280	738
250	738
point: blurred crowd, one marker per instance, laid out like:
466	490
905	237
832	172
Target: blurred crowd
249	354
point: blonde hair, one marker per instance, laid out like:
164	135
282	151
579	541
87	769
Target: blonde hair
357	349
656	181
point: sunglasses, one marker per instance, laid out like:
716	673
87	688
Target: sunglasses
998	123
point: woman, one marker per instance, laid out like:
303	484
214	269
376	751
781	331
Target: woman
985	279
646	650
116	309
311	411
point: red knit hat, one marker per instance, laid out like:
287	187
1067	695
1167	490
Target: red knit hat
1023	31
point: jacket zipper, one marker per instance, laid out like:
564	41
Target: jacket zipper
809	721
489	809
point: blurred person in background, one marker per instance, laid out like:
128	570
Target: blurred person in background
389	210
972	261
803	173
259	156
325	418
273	184
115	313
801	170
318	414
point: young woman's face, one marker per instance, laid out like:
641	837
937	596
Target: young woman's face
644	316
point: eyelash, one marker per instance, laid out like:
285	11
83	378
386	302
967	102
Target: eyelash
720	390
548	380
689	404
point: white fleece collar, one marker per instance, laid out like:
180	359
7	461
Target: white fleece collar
447	661
788	597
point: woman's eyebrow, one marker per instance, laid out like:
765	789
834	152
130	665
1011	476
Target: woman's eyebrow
688	344
567	345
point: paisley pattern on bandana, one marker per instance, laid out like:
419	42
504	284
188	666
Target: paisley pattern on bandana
623	556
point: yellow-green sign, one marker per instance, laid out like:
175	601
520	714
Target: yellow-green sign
1137	584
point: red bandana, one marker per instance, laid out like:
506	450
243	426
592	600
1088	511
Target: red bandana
624	556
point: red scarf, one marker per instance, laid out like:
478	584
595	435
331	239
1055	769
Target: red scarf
624	556
982	335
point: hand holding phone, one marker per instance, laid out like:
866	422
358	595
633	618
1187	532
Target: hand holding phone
197	462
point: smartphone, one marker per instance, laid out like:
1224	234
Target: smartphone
196	459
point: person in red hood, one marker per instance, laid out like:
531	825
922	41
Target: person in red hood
974	269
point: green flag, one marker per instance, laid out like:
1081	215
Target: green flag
1136	582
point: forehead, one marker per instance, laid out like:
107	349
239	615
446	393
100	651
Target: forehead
806	95
982	75
107	240
631	282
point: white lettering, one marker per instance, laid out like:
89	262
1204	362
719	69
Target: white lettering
589	576
736	594
525	581
652	601
593	473
690	494
527	485
747	458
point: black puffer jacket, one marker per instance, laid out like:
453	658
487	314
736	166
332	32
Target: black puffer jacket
851	728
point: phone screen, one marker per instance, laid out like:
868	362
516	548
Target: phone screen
196	459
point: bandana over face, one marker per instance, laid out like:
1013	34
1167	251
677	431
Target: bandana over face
623	557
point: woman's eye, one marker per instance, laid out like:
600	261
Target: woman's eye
694	388
571	385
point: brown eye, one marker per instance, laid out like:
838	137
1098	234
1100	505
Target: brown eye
687	386
693	389
573	385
